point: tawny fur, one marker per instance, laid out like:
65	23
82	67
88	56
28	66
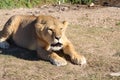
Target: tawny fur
45	34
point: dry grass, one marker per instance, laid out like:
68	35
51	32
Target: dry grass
95	43
100	43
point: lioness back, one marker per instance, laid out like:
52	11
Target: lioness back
24	33
44	34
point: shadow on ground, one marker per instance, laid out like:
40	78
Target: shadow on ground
26	54
20	53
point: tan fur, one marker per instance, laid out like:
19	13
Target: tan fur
45	34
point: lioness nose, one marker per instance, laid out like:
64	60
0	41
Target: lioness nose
57	37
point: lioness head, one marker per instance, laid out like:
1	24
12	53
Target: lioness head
51	30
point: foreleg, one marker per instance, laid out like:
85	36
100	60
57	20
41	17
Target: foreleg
53	57
75	57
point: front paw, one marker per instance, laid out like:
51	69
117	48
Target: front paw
78	59
58	61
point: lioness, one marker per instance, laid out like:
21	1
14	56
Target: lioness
45	34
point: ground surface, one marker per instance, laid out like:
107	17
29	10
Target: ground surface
95	32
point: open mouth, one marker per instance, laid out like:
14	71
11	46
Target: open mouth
57	44
56	47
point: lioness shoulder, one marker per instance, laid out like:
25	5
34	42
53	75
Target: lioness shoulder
43	33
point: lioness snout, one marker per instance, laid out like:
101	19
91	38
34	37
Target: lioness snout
57	37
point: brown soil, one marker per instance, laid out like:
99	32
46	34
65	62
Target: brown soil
96	35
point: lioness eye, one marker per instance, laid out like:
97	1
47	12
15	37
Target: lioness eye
50	31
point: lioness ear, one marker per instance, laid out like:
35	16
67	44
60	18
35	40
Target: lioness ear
39	26
65	23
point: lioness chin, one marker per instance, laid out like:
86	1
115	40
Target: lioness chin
45	34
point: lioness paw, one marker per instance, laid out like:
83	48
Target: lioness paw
4	45
77	59
59	61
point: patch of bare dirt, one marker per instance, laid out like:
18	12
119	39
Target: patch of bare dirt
103	16
96	35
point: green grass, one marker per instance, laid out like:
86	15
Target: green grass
81	1
34	3
23	3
